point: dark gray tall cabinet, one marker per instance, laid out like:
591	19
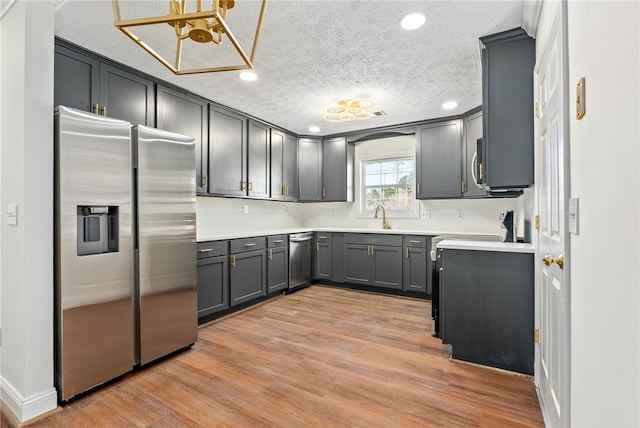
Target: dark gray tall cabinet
213	277
284	158
438	154
85	83
186	114
508	59
227	153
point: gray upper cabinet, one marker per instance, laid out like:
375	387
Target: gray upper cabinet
126	96
187	115
508	59
259	161
284	157
439	154
334	169
309	169
83	82
227	153
472	132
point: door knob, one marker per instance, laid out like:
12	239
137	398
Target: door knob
548	260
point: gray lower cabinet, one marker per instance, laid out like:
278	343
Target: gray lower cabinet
323	256
438	161
187	115
487	307
416	266
277	263
371	259
248	270
213	277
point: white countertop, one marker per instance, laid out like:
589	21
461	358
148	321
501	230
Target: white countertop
506	247
267	232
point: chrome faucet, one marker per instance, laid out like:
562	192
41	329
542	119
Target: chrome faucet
385	223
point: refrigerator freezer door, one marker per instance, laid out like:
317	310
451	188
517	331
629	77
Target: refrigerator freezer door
93	289
166	183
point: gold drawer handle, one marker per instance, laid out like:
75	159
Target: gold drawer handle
414	241
206	250
252	244
278	241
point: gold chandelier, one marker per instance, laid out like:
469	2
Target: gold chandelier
204	27
348	110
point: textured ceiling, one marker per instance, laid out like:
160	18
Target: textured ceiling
314	53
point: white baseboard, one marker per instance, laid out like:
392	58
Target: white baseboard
27	408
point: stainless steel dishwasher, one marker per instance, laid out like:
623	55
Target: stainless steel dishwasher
300	260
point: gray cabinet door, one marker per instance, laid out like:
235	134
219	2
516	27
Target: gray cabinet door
414	277
213	285
439	161
259	162
187	115
508	59
76	80
309	169
227	153
283	166
247	276
334	169
289	167
386	267
323	260
277	269
357	263
472	131
126	96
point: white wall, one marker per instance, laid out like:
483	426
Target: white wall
223	216
26	146
604	47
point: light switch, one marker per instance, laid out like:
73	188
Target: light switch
573	215
12	214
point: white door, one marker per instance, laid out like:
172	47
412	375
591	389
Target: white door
552	169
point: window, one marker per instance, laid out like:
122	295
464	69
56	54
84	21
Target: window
390	183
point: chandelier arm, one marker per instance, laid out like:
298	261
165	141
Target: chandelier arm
233	40
179	52
256	39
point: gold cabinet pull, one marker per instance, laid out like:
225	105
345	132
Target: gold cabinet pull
270	254
418	187
96	108
278	241
324	192
251	186
104	110
407	252
463	189
243	185
480	172
317	247
206	250
373	250
233	261
322	237
205	181
250	244
286	190
414	241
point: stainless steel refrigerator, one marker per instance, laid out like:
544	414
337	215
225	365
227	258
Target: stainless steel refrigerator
125	247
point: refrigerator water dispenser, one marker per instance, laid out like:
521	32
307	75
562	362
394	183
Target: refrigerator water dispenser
97	229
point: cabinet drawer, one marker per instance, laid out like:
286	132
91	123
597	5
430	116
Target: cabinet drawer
247	244
212	249
277	241
323	237
373	239
415	241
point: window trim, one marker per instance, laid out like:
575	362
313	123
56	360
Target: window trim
381	157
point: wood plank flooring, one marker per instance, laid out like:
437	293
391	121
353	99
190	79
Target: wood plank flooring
320	357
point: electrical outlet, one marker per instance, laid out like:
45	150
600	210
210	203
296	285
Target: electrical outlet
426	214
245	209
460	214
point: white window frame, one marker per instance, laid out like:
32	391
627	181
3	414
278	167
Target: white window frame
362	211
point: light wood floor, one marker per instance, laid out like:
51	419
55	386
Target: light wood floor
320	357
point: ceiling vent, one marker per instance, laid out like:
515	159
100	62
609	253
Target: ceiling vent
379	113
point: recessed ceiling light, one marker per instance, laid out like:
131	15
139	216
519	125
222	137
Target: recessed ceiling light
449	105
314	129
412	21
249	76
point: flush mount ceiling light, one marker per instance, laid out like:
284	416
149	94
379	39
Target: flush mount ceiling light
203	26
249	76
449	105
413	21
313	128
348	110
